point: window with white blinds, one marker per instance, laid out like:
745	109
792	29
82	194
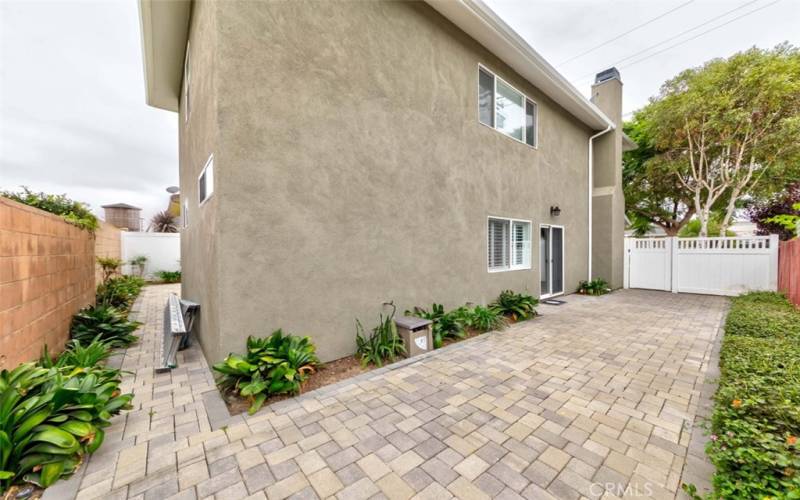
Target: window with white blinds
509	244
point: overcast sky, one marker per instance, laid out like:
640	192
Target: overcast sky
73	118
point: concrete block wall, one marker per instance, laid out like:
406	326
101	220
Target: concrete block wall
47	273
107	243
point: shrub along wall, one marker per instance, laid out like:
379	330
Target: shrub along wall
47	273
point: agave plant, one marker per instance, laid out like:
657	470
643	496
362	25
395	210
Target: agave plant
518	306
382	343
50	417
274	365
164	222
105	324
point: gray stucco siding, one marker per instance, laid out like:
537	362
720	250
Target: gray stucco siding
351	170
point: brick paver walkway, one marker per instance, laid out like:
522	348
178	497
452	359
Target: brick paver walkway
594	399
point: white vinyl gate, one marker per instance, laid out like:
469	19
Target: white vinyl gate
715	266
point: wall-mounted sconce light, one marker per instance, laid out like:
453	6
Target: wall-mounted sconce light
555	211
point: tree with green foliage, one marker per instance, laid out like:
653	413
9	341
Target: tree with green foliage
725	131
653	195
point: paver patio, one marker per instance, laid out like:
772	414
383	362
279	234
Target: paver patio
594	399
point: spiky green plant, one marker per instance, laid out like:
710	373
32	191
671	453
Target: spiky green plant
382	344
485	319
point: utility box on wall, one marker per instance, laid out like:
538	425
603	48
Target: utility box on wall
416	334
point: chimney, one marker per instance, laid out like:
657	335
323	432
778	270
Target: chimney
608	201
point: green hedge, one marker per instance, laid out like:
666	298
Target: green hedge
756	421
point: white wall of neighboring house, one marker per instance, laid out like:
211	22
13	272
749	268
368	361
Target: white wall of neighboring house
163	251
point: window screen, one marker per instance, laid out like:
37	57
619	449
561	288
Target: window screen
530	123
205	184
486	98
498	243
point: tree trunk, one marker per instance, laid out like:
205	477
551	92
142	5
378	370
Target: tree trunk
703	215
726	221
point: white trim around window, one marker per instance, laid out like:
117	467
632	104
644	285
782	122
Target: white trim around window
526	111
205	182
508	244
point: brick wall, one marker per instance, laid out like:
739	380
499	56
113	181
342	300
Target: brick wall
46	275
107	243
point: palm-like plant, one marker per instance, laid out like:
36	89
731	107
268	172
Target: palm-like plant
164	222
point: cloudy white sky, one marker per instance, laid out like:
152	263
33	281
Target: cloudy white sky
73	118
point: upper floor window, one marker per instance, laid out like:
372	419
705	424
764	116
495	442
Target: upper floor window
504	108
205	183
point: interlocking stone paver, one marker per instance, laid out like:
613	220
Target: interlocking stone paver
600	391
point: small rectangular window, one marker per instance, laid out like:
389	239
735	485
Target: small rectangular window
205	184
506	109
185	213
509	244
486	98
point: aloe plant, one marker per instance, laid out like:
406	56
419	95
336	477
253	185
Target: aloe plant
277	364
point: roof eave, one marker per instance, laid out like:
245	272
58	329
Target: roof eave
164	29
481	23
165	24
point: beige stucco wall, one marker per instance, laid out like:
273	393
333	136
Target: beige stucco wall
351	169
608	212
198	139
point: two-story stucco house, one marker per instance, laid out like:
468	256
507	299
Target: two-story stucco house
335	155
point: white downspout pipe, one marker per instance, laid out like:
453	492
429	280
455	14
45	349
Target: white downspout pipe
591	190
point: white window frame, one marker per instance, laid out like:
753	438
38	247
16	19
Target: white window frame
185	212
187	75
526	98
510	242
201	178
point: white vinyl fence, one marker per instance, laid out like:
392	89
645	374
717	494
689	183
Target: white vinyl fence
715	266
163	251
